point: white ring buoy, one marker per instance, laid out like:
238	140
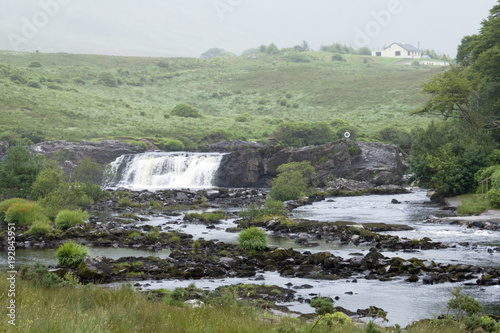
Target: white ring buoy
347	135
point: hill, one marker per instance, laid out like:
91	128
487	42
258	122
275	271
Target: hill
74	97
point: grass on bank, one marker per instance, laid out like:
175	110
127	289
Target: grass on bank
97	309
473	204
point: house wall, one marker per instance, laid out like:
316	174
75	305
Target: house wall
391	52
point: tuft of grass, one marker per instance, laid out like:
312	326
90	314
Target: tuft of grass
252	239
69	218
71	254
23	213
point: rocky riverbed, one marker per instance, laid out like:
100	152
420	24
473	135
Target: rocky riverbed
125	226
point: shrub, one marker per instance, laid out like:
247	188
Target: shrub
125	202
69	218
35	64
71	254
252	239
323	305
217	135
174	145
18	170
494	198
107	79
23	214
39	228
338	57
301	134
244	118
186	111
6	204
292	181
48	180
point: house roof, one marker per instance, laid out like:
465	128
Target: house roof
407	47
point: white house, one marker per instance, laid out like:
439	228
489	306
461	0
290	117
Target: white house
399	50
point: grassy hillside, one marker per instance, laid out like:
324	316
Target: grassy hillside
74	97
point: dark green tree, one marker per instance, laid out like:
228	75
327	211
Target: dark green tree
18	170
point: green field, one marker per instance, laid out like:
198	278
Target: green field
76	97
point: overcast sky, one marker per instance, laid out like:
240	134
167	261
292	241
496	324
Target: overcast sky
190	27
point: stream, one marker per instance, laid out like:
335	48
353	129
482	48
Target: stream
405	302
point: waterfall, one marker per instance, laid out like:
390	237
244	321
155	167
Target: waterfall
155	171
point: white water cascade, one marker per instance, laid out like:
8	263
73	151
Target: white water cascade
154	171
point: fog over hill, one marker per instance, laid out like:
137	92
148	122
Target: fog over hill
188	28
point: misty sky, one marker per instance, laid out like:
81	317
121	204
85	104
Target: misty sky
190	27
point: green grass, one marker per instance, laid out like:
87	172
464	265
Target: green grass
473	204
368	92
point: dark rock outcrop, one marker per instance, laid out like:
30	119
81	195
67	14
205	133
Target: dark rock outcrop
102	152
375	163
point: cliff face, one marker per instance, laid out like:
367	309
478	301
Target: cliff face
102	152
377	163
253	166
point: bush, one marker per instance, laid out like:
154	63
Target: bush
35	64
107	79
6	204
186	111
71	254
23	214
494	198
301	134
39	228
288	186
252	239
174	145
69	218
244	118
48	180
18	170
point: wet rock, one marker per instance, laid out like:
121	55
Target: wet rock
94	269
395	201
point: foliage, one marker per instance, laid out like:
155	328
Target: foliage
396	135
174	145
107	79
207	217
39	276
213	53
186	111
6	204
89	172
338	48
322	305
69	218
23	213
18	170
39	228
303	134
47	181
446	157
271	207
292	181
463	304
494	198
71	254
70	195
244	118
252	239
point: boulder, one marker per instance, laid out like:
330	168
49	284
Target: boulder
94	269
